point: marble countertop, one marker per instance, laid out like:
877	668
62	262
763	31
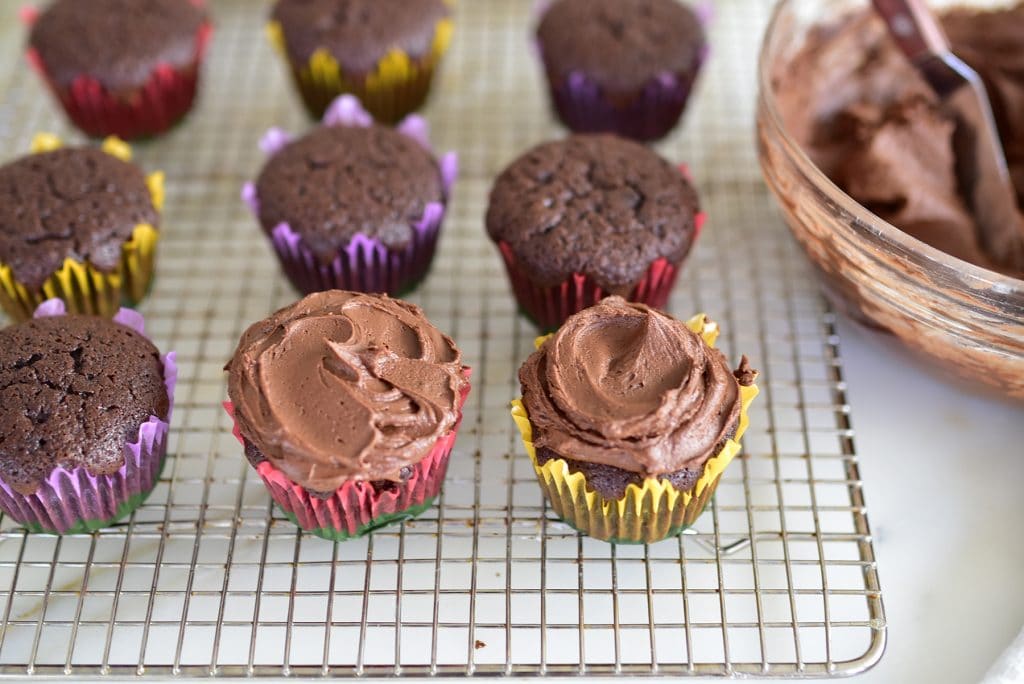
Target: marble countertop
943	467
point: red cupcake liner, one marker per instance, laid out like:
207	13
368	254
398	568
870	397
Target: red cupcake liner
550	306
153	108
357	507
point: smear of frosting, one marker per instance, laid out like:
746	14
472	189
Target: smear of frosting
627	386
874	126
345	386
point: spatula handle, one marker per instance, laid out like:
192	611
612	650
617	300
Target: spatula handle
914	27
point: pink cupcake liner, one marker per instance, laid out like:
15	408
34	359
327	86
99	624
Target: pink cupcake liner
357	507
365	264
153	108
73	501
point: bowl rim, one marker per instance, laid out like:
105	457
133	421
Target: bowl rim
1003	283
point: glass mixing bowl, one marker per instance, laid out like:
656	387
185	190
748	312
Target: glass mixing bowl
966	318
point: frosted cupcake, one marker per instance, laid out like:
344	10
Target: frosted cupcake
630	417
348	405
85	404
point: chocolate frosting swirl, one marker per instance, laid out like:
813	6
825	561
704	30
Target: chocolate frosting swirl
627	386
345	386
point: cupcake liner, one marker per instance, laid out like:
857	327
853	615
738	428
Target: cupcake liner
649	116
397	85
153	108
356	507
75	501
549	307
646	513
84	288
365	264
646	117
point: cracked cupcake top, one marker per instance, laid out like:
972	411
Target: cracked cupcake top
622	45
74	390
593	204
77	203
339	181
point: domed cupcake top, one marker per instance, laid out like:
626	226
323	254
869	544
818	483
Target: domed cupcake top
74	390
622	45
593	204
339	181
358	33
627	386
345	386
78	203
117	42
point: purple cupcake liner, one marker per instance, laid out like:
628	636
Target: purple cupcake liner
72	501
365	264
649	116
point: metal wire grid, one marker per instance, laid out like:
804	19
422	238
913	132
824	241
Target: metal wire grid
207	578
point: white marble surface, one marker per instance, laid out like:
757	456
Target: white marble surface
943	467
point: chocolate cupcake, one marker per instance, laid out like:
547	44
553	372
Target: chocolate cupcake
353	205
348	405
621	66
385	52
590	216
85	404
77	224
121	67
629	417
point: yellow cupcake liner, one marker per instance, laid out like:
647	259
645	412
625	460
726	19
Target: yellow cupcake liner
83	287
398	85
646	513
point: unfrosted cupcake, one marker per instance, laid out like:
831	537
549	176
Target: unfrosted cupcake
348	405
621	66
121	67
353	205
591	216
85	404
385	52
79	224
630	417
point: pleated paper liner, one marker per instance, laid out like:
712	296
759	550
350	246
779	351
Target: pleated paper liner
549	307
645	514
397	86
357	508
153	108
365	264
647	117
76	501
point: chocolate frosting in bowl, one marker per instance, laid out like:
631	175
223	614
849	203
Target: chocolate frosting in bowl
873	125
345	386
627	386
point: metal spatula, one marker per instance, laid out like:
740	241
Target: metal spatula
981	163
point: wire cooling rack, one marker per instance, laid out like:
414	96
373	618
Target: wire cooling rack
207	578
